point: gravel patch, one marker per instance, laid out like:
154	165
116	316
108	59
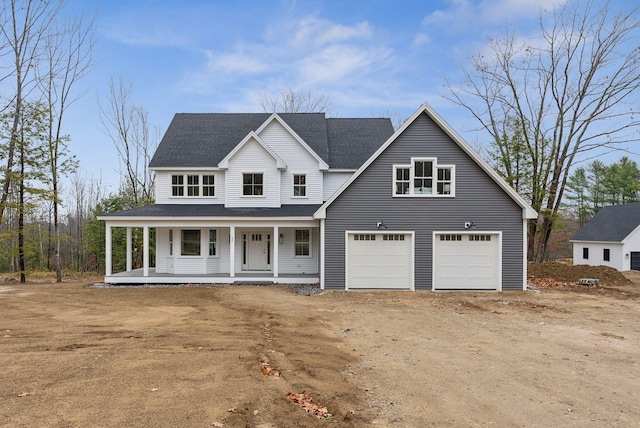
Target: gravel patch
302	289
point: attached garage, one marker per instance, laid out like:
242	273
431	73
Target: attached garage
466	261
377	260
635	260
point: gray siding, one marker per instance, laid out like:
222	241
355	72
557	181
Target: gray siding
477	198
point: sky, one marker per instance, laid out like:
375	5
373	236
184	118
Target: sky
369	58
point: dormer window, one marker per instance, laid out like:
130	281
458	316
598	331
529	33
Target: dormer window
423	177
252	184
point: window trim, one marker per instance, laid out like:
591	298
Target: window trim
435	168
302	186
242	194
585	253
296	242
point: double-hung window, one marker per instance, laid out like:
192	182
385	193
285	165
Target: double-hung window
302	243
208	185
213	239
177	185
299	185
193	185
423	177
252	184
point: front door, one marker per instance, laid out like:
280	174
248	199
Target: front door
258	255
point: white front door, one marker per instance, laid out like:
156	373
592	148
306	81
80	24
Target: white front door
258	250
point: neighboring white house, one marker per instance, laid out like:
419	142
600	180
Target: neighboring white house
610	238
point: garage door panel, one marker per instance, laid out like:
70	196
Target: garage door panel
464	262
379	263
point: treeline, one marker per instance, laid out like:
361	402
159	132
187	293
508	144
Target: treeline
597	185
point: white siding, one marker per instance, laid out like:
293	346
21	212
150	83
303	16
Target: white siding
163	188
162	251
332	182
289	263
252	158
631	244
596	253
298	160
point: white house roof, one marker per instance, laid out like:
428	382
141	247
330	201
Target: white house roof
611	224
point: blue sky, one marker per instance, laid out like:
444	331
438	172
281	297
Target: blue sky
370	58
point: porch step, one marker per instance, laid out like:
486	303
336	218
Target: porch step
253	283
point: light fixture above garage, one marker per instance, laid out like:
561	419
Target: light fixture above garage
381	225
469	225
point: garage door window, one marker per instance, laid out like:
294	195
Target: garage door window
364	237
394	237
479	237
448	237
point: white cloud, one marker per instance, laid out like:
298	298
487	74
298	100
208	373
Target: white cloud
234	63
339	62
319	32
420	39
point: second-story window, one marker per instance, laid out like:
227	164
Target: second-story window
208	185
177	185
252	184
193	185
299	185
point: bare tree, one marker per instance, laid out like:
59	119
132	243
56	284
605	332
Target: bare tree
572	91
66	60
130	131
290	101
23	26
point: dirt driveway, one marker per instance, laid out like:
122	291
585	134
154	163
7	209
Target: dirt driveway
72	356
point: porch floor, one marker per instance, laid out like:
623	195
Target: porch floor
135	277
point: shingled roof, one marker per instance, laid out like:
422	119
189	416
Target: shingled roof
204	139
611	224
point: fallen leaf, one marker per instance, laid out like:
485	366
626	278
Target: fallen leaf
217	424
24	394
154	389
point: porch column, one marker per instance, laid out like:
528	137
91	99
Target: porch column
129	252
232	251
107	251
276	251
145	254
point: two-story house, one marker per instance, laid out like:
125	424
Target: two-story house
236	194
347	203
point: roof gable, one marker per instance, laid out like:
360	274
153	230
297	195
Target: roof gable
527	211
224	163
613	223
275	118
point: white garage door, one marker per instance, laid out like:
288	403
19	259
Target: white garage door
380	260
466	262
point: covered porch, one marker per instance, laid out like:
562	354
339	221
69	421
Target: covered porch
212	250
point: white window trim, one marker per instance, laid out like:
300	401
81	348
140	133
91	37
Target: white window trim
185	186
434	187
264	186
293	185
310	243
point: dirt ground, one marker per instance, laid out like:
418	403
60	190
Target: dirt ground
72	356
